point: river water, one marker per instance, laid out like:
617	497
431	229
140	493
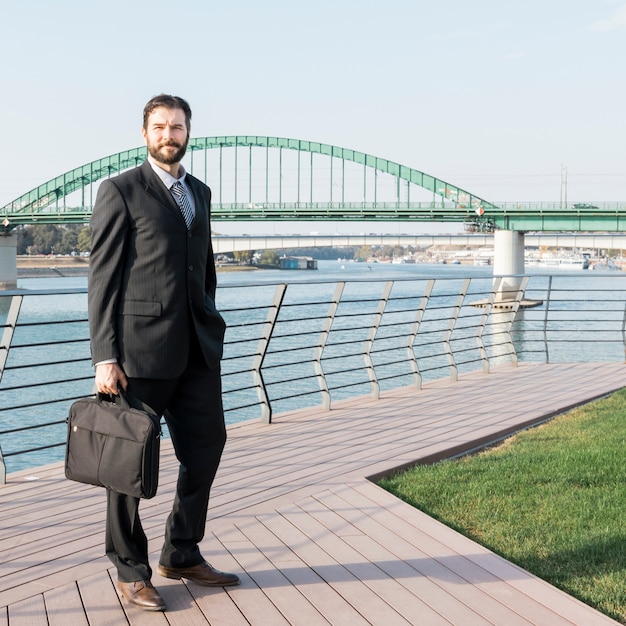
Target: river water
243	294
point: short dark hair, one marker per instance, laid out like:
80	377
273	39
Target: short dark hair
169	102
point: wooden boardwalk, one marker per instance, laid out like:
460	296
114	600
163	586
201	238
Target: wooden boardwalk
293	512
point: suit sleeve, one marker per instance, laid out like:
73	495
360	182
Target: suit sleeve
109	243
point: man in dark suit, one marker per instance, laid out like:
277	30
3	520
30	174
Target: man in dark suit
156	333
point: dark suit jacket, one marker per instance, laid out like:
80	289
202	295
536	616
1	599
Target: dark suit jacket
150	279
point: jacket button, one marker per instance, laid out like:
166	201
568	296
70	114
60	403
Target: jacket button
191	268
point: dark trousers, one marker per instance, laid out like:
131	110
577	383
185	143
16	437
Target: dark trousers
192	406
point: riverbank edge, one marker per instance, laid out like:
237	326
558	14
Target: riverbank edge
45	267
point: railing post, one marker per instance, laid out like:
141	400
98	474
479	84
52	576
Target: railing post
516	305
317	356
545	319
5	345
257	374
9	330
369	364
421	309
484	357
454	374
624	332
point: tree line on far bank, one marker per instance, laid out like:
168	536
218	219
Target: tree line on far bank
35	239
357	253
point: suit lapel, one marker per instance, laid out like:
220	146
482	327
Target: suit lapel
155	188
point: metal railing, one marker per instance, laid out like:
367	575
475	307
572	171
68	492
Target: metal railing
295	344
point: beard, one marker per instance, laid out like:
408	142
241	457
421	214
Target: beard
167	157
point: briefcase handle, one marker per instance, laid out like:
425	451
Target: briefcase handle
128	401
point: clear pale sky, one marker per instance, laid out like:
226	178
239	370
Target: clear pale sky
499	97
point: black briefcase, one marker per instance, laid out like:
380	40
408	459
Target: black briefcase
114	442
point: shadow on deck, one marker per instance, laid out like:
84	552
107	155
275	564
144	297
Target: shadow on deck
294	513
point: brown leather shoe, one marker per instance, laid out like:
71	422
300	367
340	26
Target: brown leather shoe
142	594
203	574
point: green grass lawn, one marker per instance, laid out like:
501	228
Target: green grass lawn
551	499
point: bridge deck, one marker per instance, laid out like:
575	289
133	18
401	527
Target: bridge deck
292	511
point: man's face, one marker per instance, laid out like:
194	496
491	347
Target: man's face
166	135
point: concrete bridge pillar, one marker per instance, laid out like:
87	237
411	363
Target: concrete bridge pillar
8	262
508	261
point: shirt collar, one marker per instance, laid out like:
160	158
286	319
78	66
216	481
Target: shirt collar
166	177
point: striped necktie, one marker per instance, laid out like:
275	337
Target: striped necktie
183	202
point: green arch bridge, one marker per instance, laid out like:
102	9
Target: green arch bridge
281	179
257	178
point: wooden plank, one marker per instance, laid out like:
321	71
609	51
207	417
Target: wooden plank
316	462
28	612
57	558
443	592
287	598
220	606
327	602
538	600
101	601
251	600
314	588
57	573
47	537
436	581
217	606
344	572
64	606
182	609
445	435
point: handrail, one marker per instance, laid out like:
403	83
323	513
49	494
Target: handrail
308	343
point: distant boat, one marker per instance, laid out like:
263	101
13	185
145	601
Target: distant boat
297	263
605	265
565	263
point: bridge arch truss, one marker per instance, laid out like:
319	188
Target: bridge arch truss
268	178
